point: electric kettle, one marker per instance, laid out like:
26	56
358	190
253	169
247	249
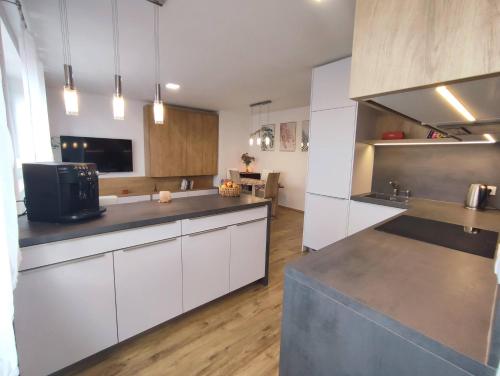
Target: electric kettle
477	196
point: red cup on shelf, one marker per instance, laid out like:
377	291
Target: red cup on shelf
397	135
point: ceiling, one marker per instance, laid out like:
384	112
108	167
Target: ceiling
225	54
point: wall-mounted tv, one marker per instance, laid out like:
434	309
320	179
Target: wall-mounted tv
109	154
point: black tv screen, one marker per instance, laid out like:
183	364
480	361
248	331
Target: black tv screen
109	154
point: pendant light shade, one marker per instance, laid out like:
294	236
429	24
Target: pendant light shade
259	141
158	110
250	141
158	106
118	101
70	93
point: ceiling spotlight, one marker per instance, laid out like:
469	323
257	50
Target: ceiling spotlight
172	86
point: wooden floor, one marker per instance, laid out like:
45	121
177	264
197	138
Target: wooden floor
236	335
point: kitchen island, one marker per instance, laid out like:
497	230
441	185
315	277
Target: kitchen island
86	286
381	304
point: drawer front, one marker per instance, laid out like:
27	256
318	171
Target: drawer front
51	253
205	267
248	253
148	281
64	313
190	226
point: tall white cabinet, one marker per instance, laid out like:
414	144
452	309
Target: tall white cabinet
331	155
331	152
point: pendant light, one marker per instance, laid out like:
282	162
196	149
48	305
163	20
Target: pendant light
70	93
158	103
118	102
259	126
250	140
267	140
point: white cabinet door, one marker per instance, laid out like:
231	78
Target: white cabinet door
325	220
330	85
148	281
248	253
205	266
64	313
331	152
363	215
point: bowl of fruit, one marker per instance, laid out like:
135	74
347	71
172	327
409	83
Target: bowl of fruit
229	189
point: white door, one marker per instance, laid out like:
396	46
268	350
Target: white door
248	253
325	220
331	152
64	313
148	281
330	86
363	215
205	266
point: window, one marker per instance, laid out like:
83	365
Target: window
25	103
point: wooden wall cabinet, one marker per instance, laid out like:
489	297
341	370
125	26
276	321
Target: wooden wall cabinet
185	145
404	44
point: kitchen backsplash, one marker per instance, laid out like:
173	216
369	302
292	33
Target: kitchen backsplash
440	172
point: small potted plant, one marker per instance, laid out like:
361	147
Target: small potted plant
247	159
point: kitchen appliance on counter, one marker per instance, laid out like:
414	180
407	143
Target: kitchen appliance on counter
61	192
467	239
477	196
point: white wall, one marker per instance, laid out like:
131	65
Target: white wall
234	128
291	165
96	120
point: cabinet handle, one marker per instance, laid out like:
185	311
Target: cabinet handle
72	261
207	231
139	246
203	216
248	222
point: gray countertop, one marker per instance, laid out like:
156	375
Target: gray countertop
440	298
127	216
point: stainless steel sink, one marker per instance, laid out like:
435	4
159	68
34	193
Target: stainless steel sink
401	202
384	196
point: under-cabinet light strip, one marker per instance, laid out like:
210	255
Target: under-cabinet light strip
492	141
451	99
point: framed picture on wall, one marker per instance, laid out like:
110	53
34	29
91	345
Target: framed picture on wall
267	136
304	141
288	136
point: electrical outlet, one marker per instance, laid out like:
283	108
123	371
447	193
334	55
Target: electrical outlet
493	190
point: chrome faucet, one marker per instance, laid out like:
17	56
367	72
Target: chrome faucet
395	187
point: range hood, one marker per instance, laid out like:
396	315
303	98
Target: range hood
481	98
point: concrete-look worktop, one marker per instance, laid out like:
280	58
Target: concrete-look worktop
382	304
129	216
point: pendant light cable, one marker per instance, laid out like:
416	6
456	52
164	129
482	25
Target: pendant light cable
63	14
116	36
157	42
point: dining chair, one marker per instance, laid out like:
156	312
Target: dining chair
235	176
264	173
271	190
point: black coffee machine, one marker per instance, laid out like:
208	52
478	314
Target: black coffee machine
61	192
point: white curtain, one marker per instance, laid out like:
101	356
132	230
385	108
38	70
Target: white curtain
24	137
8	246
28	121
